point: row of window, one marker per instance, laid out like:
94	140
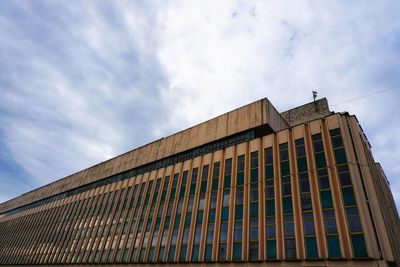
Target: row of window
163	220
189	154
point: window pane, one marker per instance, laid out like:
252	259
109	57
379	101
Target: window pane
211	216
240	178
283	153
253	210
215	184
353	219
199	216
227	181
271	247
304	186
311	246
270	191
306	202
195	253
239	195
225	214
208	254
254	233
270	207
253	251
171	254
226	198
238	212
359	245
287	189
289	229
197	234
160	254
348	196
271	231
285	170
308	224
287	205
337	141
326	199
238	231
210	233
333	246
237	251
320	160
222	252
182	257
268	155
345	178
254	194
269	171
318	146
340	156
224	232
254	175
330	222
302	164
324	182
290	246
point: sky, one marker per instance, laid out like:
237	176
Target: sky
84	81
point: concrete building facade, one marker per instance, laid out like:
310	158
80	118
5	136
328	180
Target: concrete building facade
251	186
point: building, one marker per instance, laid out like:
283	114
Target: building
251	186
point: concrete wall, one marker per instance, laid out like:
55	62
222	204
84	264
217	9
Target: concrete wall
308	112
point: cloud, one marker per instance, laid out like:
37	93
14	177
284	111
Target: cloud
100	78
74	90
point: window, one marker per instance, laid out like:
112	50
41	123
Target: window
306	202
348	196
270	227
340	156
287	204
326	199
290	245
226	198
270	207
330	222
311	247
333	246
254	210
253	251
208	253
271	249
238	212
224	231
285	169
304	182
308	224
238	232
269	171
359	245
320	160
237	251
270	203
345	178
354	220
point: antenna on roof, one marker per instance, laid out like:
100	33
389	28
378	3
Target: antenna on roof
314	94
